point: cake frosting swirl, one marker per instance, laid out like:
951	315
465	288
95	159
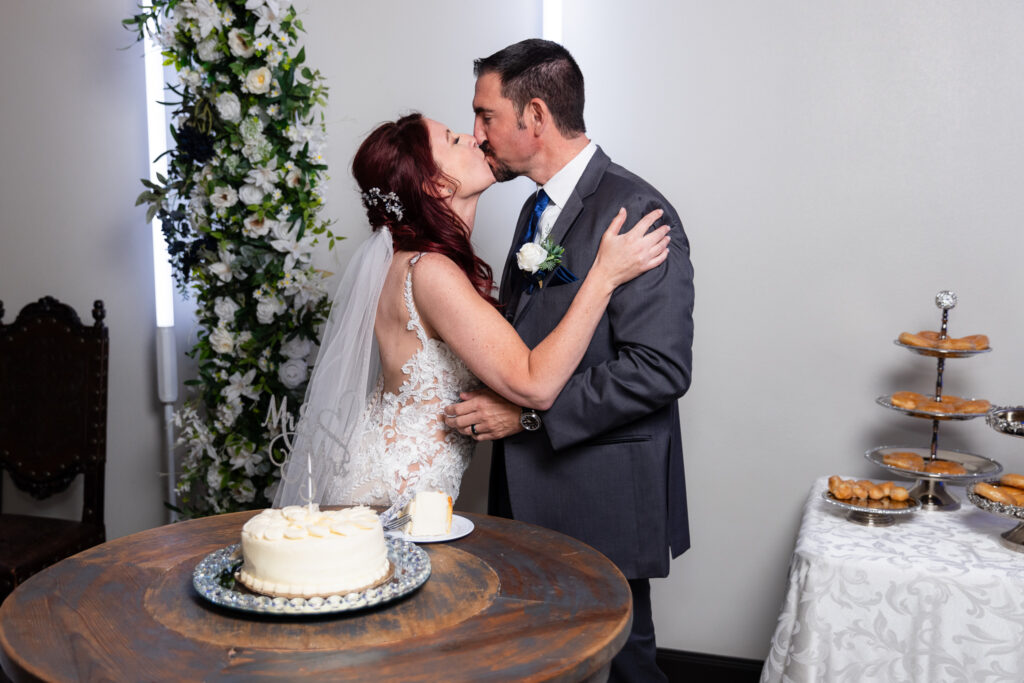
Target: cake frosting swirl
302	551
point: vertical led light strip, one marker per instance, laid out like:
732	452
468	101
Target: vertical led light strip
166	351
551	28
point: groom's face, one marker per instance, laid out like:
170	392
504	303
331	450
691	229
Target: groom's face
500	132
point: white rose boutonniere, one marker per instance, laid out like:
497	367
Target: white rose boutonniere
536	259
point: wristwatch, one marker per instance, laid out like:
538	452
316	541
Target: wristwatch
530	420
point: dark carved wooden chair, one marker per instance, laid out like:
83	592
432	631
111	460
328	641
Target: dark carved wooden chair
53	427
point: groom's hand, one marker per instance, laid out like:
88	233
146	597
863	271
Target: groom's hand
483	415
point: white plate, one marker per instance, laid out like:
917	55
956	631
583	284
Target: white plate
460	527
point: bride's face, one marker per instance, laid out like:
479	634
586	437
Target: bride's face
459	157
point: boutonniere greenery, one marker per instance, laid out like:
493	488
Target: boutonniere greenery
537	259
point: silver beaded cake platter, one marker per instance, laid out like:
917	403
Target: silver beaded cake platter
213	578
1007	420
1012	538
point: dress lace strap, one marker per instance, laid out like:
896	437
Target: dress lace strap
414	316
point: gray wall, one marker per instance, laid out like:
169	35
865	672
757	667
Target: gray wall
835	164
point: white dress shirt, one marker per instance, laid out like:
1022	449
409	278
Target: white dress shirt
559	188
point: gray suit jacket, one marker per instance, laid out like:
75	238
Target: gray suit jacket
607	465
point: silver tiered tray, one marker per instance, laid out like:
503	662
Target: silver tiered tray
886	401
941	353
1012	538
862	512
1007	420
930	489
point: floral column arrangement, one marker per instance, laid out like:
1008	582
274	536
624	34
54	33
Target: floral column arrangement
239	210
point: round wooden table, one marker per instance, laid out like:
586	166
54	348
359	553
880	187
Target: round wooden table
509	602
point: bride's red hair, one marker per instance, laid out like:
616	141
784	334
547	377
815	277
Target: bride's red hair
396	157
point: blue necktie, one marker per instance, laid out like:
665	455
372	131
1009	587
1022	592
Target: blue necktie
539	204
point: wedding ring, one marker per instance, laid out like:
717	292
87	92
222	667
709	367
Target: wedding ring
472	428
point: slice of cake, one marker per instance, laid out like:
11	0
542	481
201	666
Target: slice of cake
430	514
301	551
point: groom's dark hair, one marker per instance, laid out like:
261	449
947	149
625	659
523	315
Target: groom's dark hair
542	69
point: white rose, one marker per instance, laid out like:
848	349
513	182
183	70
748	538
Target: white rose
257	81
225	308
224	197
296	348
208	51
221	340
293	178
530	257
292	372
250	194
267	308
228	106
254	226
239	44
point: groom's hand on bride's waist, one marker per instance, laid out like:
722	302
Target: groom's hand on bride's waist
483	415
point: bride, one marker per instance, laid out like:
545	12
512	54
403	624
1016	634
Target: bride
414	323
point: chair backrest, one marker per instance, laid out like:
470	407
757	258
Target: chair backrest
53	401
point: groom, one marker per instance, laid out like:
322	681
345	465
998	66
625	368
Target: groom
604	464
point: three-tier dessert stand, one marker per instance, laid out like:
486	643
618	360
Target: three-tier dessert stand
930	489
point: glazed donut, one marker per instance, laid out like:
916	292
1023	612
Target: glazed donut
904	460
993	493
908	400
944	467
976	406
1014	480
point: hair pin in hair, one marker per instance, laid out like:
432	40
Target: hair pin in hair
392	204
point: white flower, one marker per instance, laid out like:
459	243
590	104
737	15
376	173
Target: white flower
213	479
208	51
264	177
305	288
257	81
300	134
206	14
239	386
292	372
257	149
297	347
250	194
240	43
297	251
190	77
269	14
228	106
530	257
274	57
228	17
274	111
244	459
225	308
243	338
224	197
293	178
254	226
268	308
244	492
222	340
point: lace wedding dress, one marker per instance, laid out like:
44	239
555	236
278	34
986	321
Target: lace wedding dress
402	440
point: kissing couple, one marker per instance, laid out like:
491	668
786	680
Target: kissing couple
574	370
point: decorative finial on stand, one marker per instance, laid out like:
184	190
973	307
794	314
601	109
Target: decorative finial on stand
945	299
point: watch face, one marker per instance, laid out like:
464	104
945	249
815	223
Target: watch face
530	420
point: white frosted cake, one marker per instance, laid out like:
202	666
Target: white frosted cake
302	551
430	514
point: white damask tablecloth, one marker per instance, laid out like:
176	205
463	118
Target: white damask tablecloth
935	597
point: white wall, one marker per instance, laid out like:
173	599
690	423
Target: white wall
835	164
72	149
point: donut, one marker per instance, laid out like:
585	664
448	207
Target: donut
904	460
993	493
975	406
907	400
944	467
1016	494
899	494
1014	480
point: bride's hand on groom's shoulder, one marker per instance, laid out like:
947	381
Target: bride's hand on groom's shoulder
483	415
624	255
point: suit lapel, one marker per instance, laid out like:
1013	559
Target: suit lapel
586	186
509	276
